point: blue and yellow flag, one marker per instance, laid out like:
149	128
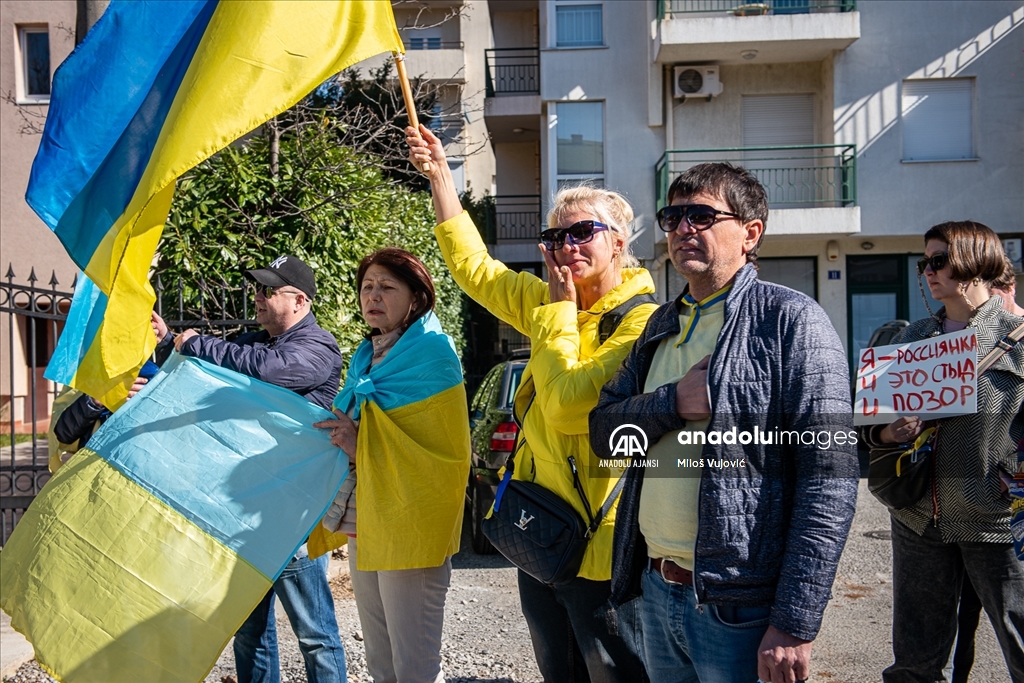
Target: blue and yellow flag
156	88
148	549
412	455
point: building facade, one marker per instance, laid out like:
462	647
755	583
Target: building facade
35	37
867	121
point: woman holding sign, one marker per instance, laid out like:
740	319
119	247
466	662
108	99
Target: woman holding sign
960	530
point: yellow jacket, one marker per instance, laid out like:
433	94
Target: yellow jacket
568	366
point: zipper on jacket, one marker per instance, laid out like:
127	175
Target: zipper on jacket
935	480
693	574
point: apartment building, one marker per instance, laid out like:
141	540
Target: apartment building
35	37
867	121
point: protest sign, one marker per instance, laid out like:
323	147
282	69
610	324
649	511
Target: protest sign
931	378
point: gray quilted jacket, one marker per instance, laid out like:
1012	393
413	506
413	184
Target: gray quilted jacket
770	531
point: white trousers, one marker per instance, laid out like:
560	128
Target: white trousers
402	615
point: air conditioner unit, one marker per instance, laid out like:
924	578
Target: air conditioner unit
696	81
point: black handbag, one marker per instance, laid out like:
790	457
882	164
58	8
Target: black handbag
538	531
899	474
533	527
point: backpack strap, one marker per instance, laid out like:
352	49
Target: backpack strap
610	321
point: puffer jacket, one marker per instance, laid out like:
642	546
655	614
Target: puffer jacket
967	501
771	527
304	358
567	367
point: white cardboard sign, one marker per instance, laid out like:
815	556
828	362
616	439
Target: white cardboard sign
934	377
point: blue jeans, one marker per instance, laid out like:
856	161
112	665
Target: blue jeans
709	643
575	638
306	598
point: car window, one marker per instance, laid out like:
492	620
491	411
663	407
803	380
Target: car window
487	387
515	376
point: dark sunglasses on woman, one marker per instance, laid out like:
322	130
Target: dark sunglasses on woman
936	261
698	216
578	233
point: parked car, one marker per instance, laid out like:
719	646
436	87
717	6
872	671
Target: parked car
493	435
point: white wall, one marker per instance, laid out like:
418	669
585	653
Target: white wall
618	75
982	39
699	124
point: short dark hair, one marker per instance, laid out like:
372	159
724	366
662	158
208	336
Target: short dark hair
407	268
1008	280
975	250
735	185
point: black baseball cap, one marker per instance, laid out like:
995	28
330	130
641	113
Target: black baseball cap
286	270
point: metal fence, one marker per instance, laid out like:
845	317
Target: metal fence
512	71
37	315
797	176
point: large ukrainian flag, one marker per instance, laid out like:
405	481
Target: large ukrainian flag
146	551
156	88
412	455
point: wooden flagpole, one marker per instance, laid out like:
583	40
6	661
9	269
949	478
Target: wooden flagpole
410	104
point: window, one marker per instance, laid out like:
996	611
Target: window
938	119
458	168
789	175
578	26
423	39
800	274
34	52
883	288
580	142
425	43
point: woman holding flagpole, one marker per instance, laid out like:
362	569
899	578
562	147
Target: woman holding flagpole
586	249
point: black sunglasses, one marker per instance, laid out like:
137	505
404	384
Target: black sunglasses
269	291
578	233
936	261
698	216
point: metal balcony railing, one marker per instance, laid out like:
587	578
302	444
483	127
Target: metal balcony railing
415	43
514	70
752	7
513	217
798	176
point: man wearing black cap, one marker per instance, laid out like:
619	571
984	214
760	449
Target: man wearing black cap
293	352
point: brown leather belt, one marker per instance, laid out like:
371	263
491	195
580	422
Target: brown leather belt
672	572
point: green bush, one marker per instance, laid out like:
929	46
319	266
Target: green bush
327	203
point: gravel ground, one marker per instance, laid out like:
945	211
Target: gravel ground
486	639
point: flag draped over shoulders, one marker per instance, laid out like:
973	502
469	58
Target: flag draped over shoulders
148	549
156	88
412	453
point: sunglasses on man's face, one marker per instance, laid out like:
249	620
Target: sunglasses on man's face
936	261
267	291
578	233
698	216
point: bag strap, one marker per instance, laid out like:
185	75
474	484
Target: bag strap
595	521
609	321
1002	347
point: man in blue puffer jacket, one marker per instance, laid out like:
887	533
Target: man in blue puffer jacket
732	524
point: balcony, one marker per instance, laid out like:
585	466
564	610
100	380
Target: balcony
512	84
768	32
513	217
812	189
